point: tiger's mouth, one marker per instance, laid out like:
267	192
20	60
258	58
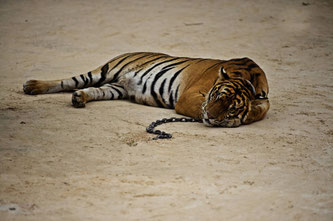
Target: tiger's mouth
209	122
207	118
215	110
223	120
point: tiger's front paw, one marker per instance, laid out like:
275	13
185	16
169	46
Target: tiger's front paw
226	122
233	122
79	99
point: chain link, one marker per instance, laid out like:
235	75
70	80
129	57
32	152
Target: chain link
162	134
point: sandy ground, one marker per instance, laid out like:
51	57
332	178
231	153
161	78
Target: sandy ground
98	163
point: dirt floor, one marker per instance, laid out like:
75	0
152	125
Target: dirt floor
98	163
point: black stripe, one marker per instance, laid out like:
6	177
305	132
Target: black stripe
119	62
145	84
253	65
238	100
236	83
121	56
76	82
244	86
161	90
228	90
163	56
122	68
244	91
176	95
143	64
174	78
137	72
144	88
112	95
251	78
117	85
90	77
62	84
156	65
104	71
174	64
210	95
152	89
248	89
171	101
85	80
118	91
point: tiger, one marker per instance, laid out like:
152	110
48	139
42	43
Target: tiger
222	93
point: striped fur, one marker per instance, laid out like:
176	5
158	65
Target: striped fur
161	80
224	105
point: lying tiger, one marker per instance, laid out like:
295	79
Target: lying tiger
224	93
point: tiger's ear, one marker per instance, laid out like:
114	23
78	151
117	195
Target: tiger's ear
223	74
257	110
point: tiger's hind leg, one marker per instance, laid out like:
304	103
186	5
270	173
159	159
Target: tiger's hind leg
34	87
112	91
106	73
89	79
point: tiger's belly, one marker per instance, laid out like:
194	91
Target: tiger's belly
152	90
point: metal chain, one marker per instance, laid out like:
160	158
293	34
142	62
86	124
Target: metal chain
162	134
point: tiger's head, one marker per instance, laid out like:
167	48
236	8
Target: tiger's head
228	102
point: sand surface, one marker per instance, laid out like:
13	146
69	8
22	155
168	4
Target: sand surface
98	163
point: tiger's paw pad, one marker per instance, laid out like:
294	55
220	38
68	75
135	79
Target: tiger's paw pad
79	99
